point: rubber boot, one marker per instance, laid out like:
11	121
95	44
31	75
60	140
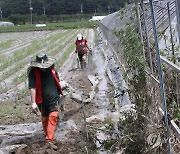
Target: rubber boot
45	124
52	121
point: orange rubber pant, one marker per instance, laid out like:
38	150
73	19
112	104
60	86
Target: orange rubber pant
49	125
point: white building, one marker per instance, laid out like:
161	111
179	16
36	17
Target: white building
97	18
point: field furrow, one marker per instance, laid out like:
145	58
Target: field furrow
12	79
20	54
21	60
23	41
60	50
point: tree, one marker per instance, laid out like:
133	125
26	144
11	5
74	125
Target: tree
57	7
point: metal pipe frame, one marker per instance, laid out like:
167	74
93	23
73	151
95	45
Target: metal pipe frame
169	63
161	78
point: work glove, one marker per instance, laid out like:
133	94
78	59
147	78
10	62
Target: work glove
90	51
35	108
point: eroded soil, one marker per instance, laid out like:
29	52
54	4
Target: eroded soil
73	141
73	111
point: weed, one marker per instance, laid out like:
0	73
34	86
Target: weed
6	44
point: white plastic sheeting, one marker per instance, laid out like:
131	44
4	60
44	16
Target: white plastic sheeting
166	43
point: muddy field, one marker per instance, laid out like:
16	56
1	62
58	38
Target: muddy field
20	130
16	53
76	140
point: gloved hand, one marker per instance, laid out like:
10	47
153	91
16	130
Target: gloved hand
35	108
90	51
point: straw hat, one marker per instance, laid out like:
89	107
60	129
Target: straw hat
42	61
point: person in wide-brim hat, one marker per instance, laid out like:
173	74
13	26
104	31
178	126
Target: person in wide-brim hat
42	61
45	91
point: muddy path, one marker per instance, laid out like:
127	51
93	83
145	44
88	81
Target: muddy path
25	135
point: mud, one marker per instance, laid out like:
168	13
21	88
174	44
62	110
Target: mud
71	133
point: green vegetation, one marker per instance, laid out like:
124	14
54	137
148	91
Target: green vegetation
56	44
56	36
39	19
171	77
50	26
5	44
8	112
12	70
56	7
20	54
132	126
35	45
18	59
66	55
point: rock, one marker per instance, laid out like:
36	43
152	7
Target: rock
95	119
76	97
12	149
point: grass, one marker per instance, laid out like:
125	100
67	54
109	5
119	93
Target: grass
22	77
62	42
9	112
6	44
55	37
17	111
20	55
66	55
36	45
55	51
13	70
50	26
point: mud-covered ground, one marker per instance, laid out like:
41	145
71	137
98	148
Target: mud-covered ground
73	111
77	140
74	140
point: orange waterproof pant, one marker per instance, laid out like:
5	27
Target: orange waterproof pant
49	125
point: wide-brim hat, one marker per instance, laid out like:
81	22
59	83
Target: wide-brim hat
42	61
